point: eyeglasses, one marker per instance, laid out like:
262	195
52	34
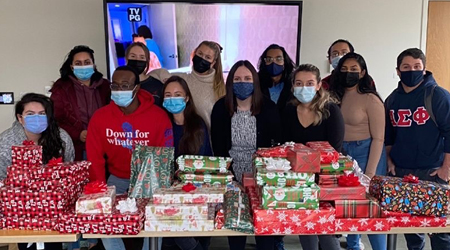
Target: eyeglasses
277	59
121	87
336	54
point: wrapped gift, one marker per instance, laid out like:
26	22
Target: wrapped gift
179	225
224	188
290	197
151	168
248	180
353	225
40	185
220	178
344	163
111	228
237	212
396	219
272	163
329	179
304	160
29	223
177	195
94	202
278	151
219	220
157	212
26	155
203	164
327	153
368	208
336	192
409	195
284	179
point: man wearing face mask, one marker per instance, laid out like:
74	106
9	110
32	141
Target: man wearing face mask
418	131
130	119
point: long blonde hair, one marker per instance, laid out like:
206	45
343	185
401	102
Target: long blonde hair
321	99
219	82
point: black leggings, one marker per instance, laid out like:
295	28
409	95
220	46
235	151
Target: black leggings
48	246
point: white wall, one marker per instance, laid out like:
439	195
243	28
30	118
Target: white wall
36	35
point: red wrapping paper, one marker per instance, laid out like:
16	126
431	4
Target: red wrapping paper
29	223
123	228
26	155
278	151
219	220
396	219
75	170
327	153
301	221
248	180
328	179
368	208
331	193
366	224
304	160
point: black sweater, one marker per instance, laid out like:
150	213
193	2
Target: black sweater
268	127
331	129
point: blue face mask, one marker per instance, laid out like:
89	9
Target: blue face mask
305	94
83	73
35	124
243	90
174	105
335	61
411	78
275	69
122	98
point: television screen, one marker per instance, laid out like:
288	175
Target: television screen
244	30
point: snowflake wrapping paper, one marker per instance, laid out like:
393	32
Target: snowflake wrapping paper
327	153
188	225
407	220
29	223
423	198
290	221
219	178
362	225
176	195
331	193
329	179
344	163
368	208
304	160
156	212
151	168
290	197
98	203
26	155
203	164
284	179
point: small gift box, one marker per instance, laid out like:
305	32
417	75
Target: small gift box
237	212
290	197
96	199
327	153
220	178
329	179
219	220
190	225
304	160
203	164
179	212
272	163
354	225
26	155
284	179
368	208
190	195
344	163
348	188
248	180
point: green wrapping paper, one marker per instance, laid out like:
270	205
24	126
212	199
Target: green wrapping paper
203	164
284	179
215	179
237	212
290	197
343	164
151	168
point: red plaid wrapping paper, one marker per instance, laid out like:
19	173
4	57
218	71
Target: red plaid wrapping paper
26	155
368	208
329	179
396	219
304	160
29	223
278	151
362	224
331	193
327	153
301	221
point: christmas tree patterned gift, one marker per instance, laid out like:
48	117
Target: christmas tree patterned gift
237	212
203	164
290	197
284	179
215	179
151	168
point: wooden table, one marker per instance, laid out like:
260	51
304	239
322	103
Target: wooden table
25	236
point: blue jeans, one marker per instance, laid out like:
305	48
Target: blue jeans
417	241
359	150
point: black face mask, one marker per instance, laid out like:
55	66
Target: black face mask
137	65
200	64
349	79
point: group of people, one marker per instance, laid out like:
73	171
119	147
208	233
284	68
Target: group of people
199	113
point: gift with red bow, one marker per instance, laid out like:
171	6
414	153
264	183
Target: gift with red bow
348	188
97	198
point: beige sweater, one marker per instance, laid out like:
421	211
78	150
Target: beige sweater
201	87
364	118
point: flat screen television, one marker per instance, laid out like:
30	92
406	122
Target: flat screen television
244	29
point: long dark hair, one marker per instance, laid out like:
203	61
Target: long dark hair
264	76
67	71
51	142
257	96
193	128
365	84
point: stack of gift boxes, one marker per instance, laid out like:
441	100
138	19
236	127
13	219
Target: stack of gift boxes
204	170
36	195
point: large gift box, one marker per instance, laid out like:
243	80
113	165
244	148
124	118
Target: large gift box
219	178
344	163
29	223
203	164
187	225
336	192
237	212
26	155
157	212
290	197
93	202
409	195
360	224
290	221
151	168
327	153
176	195
304	159
283	179
368	208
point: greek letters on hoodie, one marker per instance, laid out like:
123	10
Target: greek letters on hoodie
112	135
417	143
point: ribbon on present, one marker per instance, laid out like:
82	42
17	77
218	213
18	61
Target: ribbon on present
55	162
277	164
240	205
128	205
188	187
28	143
411	179
350	180
95	187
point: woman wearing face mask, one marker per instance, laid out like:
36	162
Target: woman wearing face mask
206	79
138	57
364	117
79	92
35	122
275	67
241	122
190	136
313	116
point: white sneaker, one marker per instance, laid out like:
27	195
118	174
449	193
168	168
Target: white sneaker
361	245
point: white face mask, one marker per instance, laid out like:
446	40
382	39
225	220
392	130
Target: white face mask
335	61
122	98
305	94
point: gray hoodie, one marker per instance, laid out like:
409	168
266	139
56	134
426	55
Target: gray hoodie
16	135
